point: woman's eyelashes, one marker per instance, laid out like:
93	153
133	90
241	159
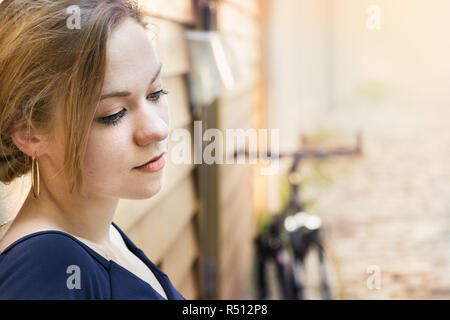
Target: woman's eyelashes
156	95
115	118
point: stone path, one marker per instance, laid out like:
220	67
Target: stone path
391	208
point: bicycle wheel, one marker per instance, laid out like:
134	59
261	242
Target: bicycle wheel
321	273
314	266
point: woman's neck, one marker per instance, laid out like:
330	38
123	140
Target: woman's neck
88	218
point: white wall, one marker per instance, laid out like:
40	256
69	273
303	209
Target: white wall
297	71
409	54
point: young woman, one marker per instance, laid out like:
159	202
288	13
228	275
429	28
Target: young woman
82	107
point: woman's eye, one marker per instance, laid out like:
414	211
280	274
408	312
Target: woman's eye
157	95
113	119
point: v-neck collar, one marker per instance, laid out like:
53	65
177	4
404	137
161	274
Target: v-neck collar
108	263
140	254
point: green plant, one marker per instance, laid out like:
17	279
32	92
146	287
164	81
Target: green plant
373	91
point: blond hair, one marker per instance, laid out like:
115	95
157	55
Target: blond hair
44	64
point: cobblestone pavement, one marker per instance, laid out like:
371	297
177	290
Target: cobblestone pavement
391	208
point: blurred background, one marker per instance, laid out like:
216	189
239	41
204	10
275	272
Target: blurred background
370	225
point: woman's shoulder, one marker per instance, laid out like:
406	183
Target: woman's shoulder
50	264
41	243
27	239
21	231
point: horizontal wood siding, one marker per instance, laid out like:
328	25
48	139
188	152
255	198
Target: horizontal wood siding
238	21
180	11
183	256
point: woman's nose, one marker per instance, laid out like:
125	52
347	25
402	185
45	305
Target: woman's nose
151	126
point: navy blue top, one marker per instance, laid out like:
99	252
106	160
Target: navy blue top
55	265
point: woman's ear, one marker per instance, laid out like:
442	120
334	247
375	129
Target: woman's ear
29	143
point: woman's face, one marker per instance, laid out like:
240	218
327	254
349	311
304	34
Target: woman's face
131	128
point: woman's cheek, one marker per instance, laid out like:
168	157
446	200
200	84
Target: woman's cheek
167	114
101	155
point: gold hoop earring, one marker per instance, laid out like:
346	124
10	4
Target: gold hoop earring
35	177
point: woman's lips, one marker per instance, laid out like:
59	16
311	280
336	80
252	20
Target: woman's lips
156	164
153	159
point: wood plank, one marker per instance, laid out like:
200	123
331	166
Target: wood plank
237	276
170	46
235	217
250	141
235	287
232	20
229	233
231	177
234	112
179	109
247	81
158	230
242	51
230	174
12	197
250	7
174	10
181	255
130	211
189	288
245	275
231	213
239	113
241	185
241	204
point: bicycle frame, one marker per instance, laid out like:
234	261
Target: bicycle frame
302	238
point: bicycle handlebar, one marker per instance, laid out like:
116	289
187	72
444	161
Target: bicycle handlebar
305	153
299	155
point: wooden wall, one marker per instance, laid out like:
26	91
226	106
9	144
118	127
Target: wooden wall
12	197
164	226
239	22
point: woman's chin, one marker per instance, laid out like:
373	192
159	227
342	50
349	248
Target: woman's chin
145	192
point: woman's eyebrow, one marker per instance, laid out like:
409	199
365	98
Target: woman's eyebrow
127	93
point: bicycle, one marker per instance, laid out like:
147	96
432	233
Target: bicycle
292	233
